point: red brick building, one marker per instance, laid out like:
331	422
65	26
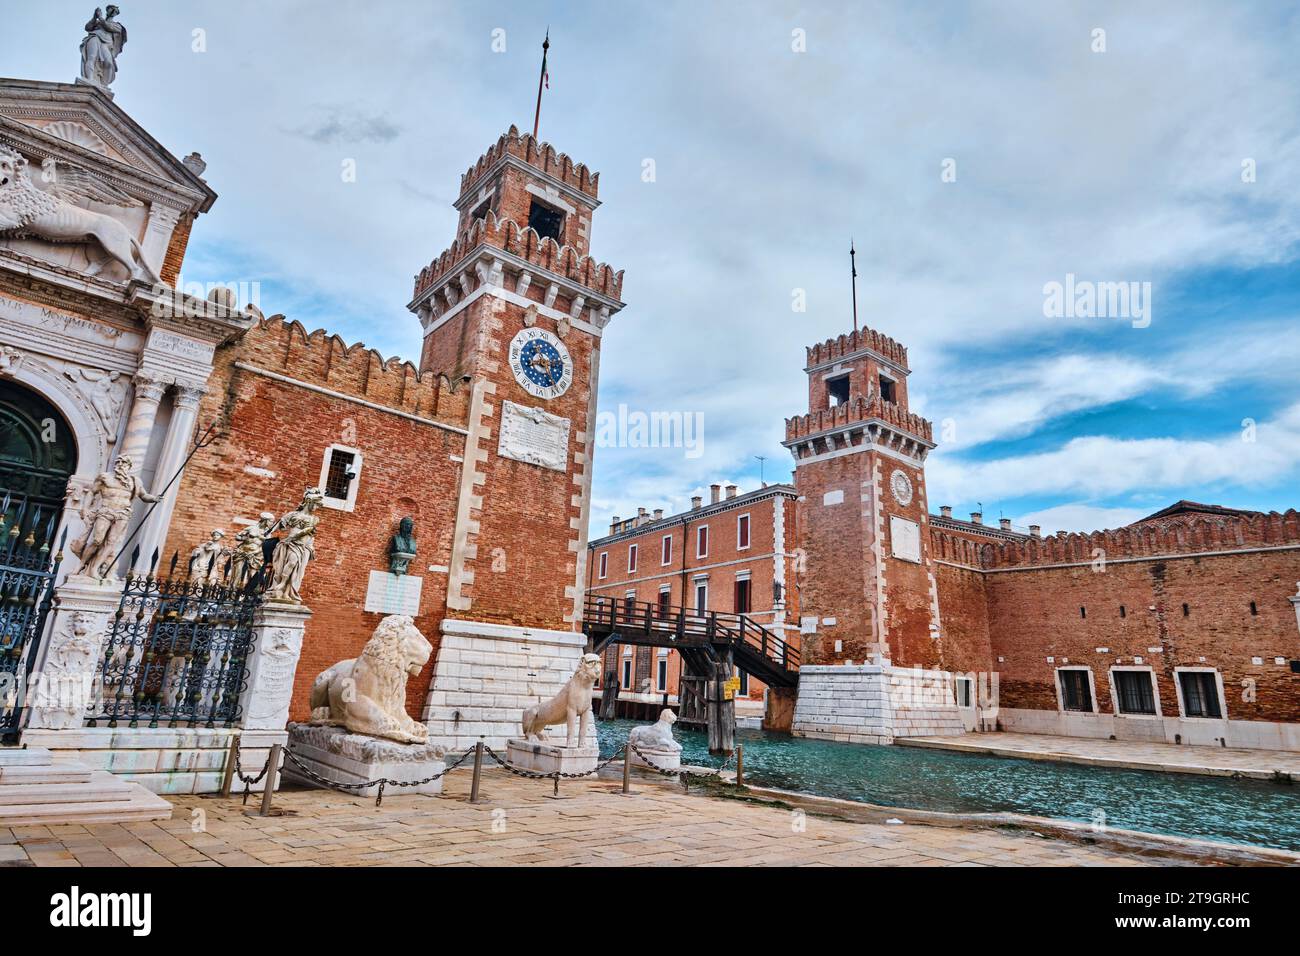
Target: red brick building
735	554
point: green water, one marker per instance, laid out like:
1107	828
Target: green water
1213	808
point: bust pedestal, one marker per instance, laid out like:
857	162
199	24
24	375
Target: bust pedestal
539	757
347	758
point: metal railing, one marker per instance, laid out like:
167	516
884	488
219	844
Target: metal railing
28	566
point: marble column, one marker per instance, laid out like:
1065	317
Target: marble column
139	426
185	409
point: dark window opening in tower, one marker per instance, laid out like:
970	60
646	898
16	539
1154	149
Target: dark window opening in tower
482	210
548	222
888	389
837	390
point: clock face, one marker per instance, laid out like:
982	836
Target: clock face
541	364
901	486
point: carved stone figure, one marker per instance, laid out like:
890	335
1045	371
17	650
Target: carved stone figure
294	549
105	396
10	360
250	551
570	704
104	40
656	736
56	216
401	549
205	560
367	695
63	689
106	510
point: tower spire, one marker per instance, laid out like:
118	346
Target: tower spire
542	81
853	269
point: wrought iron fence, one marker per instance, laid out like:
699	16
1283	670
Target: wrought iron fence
28	565
176	653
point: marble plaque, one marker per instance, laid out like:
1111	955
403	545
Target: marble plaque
534	436
390	593
181	346
905	539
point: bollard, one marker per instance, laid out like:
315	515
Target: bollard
272	771
232	757
478	771
627	769
556	792
740	765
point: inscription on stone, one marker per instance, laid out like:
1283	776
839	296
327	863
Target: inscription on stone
905	538
534	436
389	593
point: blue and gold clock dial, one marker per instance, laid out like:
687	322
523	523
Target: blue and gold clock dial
540	363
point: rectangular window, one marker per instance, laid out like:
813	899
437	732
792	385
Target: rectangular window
1200	694
1135	692
702	541
340	474
888	389
548	222
667	549
742	532
627	672
661	675
665	603
701	596
604	564
964	689
631	559
837	390
1076	693
742	596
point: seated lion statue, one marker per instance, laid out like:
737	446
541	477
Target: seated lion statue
367	695
571	703
656	736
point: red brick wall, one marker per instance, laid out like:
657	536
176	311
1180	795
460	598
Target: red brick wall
964	620
281	431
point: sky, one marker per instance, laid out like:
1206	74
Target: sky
974	153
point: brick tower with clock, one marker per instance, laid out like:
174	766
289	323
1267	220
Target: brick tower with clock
872	638
514	311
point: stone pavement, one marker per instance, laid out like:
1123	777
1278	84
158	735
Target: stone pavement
521	825
1127	754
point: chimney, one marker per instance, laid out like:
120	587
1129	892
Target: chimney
977	517
1005	523
945	511
1035	531
659	513
613	525
696	502
731	491
641	516
715	494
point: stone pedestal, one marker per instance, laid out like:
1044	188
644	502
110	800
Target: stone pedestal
658	758
548	758
61	685
277	645
347	758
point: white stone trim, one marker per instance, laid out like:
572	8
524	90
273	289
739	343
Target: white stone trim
1218	685
1114	692
1092	688
350	502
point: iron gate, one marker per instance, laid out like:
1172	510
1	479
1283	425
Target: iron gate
176	652
28	565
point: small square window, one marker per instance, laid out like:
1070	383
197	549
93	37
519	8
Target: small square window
888	389
340	475
548	222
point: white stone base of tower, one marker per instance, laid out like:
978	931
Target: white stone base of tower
874	703
488	673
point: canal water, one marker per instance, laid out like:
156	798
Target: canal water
1236	811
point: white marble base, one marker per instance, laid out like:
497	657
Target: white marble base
658	759
874	703
348	758
548	758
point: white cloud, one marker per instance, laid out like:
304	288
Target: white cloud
1080	516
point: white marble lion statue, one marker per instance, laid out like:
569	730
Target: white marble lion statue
571	704
656	736
367	695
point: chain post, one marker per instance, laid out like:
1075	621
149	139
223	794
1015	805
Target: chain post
627	769
272	772
740	765
478	772
232	758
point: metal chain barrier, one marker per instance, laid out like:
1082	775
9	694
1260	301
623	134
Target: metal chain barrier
682	771
380	782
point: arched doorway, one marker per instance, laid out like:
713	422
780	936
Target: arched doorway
38	454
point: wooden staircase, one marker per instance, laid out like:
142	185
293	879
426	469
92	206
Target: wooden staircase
35	789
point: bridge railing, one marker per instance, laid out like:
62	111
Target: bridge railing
687	624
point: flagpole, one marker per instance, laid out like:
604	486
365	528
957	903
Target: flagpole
853	267
537	115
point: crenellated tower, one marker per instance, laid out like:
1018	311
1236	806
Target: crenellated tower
868	588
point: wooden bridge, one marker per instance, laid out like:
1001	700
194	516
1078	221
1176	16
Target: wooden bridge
710	643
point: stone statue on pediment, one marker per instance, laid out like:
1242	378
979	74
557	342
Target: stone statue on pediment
104	40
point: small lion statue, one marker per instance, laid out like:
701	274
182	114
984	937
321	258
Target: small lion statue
570	704
656	736
367	695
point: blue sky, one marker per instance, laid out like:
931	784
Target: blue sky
1116	165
